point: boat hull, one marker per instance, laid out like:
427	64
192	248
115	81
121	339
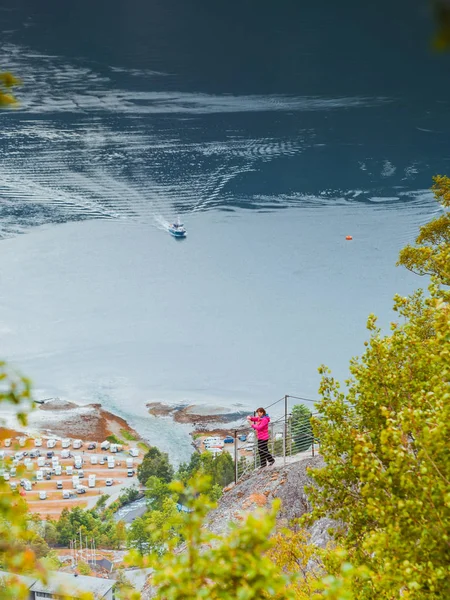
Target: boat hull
176	233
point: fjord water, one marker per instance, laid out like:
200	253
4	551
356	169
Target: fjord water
273	130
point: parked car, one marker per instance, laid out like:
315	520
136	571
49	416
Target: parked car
92	446
229	439
130	472
48	477
101	461
243	438
109	482
81	489
59	485
50	454
42	495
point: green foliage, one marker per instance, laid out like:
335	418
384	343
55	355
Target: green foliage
156	531
220	469
301	428
155	464
15	389
123	590
431	255
212	567
129	495
93	524
7	81
385	445
114	439
101	502
127	435
157	491
83	568
19	541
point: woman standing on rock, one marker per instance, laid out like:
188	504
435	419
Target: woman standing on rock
260	424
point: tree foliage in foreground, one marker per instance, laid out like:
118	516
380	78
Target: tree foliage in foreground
431	255
16	553
7	81
385	445
231	567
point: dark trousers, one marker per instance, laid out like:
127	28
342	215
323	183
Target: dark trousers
264	455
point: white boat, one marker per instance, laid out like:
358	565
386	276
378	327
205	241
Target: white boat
177	229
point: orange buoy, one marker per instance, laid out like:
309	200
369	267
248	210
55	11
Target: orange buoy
348	237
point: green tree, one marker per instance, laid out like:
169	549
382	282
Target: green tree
219	469
155	463
157	529
120	536
387	466
431	255
157	491
231	567
301	428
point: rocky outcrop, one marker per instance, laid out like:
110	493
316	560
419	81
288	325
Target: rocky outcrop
284	482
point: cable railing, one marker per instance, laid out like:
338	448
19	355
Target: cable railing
290	438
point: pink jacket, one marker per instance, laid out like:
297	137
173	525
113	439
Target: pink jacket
261	426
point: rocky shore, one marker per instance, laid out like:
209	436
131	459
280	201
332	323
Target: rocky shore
199	416
62	418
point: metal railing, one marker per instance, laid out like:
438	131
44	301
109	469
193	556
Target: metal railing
290	437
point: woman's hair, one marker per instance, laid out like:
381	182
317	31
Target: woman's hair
262	410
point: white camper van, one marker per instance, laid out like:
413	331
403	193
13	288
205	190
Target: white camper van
77	444
134	452
93	459
91	480
111	462
65	443
51	443
105	445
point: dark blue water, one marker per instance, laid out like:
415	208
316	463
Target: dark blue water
273	130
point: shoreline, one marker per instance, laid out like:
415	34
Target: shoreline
63	418
197	415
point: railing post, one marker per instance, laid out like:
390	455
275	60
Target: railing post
236	469
285	429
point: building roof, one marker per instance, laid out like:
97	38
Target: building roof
23	579
73	585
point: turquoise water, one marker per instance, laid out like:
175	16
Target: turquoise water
273	131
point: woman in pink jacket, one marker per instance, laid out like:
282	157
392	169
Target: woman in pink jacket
260	424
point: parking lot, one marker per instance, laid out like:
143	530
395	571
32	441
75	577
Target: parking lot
51	477
219	441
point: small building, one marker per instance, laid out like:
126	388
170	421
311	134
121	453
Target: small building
63	586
